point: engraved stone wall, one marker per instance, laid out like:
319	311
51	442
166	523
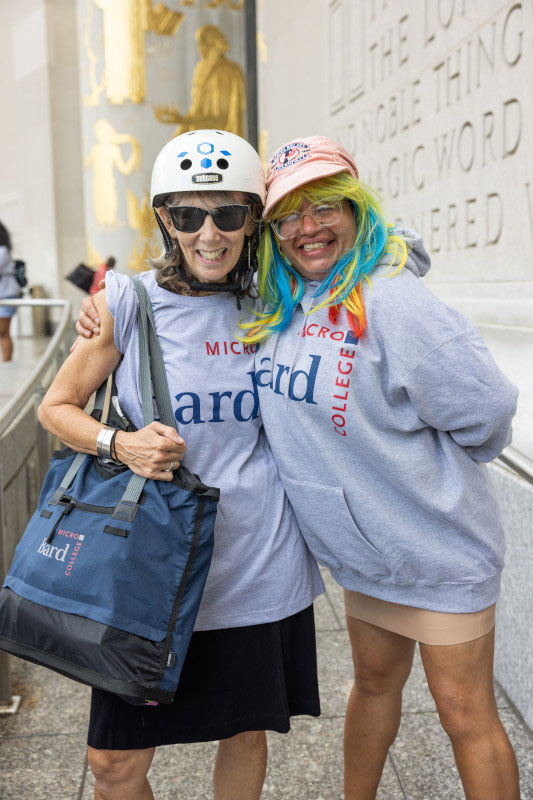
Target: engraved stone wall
436	107
440	124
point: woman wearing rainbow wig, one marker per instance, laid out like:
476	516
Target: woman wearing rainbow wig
381	405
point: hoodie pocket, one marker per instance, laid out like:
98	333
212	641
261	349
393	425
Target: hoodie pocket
330	530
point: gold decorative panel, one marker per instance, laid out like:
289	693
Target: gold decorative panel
218	95
124	25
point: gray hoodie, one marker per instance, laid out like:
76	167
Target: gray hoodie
379	442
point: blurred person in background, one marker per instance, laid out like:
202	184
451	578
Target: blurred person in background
100	274
9	288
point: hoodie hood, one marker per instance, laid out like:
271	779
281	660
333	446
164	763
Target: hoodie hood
418	261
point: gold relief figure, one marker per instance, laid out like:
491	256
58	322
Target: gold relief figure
124	50
236	5
125	23
141	219
161	19
93	98
105	156
263	146
218	97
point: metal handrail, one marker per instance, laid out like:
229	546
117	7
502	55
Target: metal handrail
28	388
21	400
519	463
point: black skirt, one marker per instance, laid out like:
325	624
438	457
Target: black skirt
234	680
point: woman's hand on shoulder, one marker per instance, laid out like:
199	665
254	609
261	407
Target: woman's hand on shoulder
151	451
88	322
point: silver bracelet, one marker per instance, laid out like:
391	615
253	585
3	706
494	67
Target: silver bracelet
103	443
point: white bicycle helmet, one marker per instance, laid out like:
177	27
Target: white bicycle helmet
207	160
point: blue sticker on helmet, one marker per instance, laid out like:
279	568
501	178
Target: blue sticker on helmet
205	148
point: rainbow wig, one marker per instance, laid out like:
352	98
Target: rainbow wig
280	286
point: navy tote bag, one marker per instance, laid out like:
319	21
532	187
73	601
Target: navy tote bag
107	579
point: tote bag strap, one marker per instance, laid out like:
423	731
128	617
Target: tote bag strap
102	398
156	364
101	403
148	362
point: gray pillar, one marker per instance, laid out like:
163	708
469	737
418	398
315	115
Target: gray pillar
251	72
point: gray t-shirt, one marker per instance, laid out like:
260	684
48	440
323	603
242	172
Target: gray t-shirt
261	569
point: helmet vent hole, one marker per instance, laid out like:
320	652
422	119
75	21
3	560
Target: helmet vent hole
186	163
222	163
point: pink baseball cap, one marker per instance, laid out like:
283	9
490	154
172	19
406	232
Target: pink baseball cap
301	161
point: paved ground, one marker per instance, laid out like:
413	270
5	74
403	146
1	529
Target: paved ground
42	749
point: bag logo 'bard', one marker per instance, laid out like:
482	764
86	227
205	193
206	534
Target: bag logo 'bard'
60	553
50	550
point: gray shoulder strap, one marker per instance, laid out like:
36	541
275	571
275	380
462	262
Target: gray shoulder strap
154	356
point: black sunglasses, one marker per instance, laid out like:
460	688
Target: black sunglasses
189	219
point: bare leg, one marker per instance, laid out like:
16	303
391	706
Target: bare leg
461	682
382	663
240	767
121	774
6	342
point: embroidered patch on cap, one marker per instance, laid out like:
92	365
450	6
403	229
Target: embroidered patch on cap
289	155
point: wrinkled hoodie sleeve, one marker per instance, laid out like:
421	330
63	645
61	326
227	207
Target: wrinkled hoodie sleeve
457	387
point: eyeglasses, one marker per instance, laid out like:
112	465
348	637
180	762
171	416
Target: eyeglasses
323	214
189	219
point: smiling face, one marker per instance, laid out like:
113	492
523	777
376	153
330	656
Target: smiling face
209	254
315	250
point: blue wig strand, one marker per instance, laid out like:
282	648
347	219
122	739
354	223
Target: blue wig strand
280	287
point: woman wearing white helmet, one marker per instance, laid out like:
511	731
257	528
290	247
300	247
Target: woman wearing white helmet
251	663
